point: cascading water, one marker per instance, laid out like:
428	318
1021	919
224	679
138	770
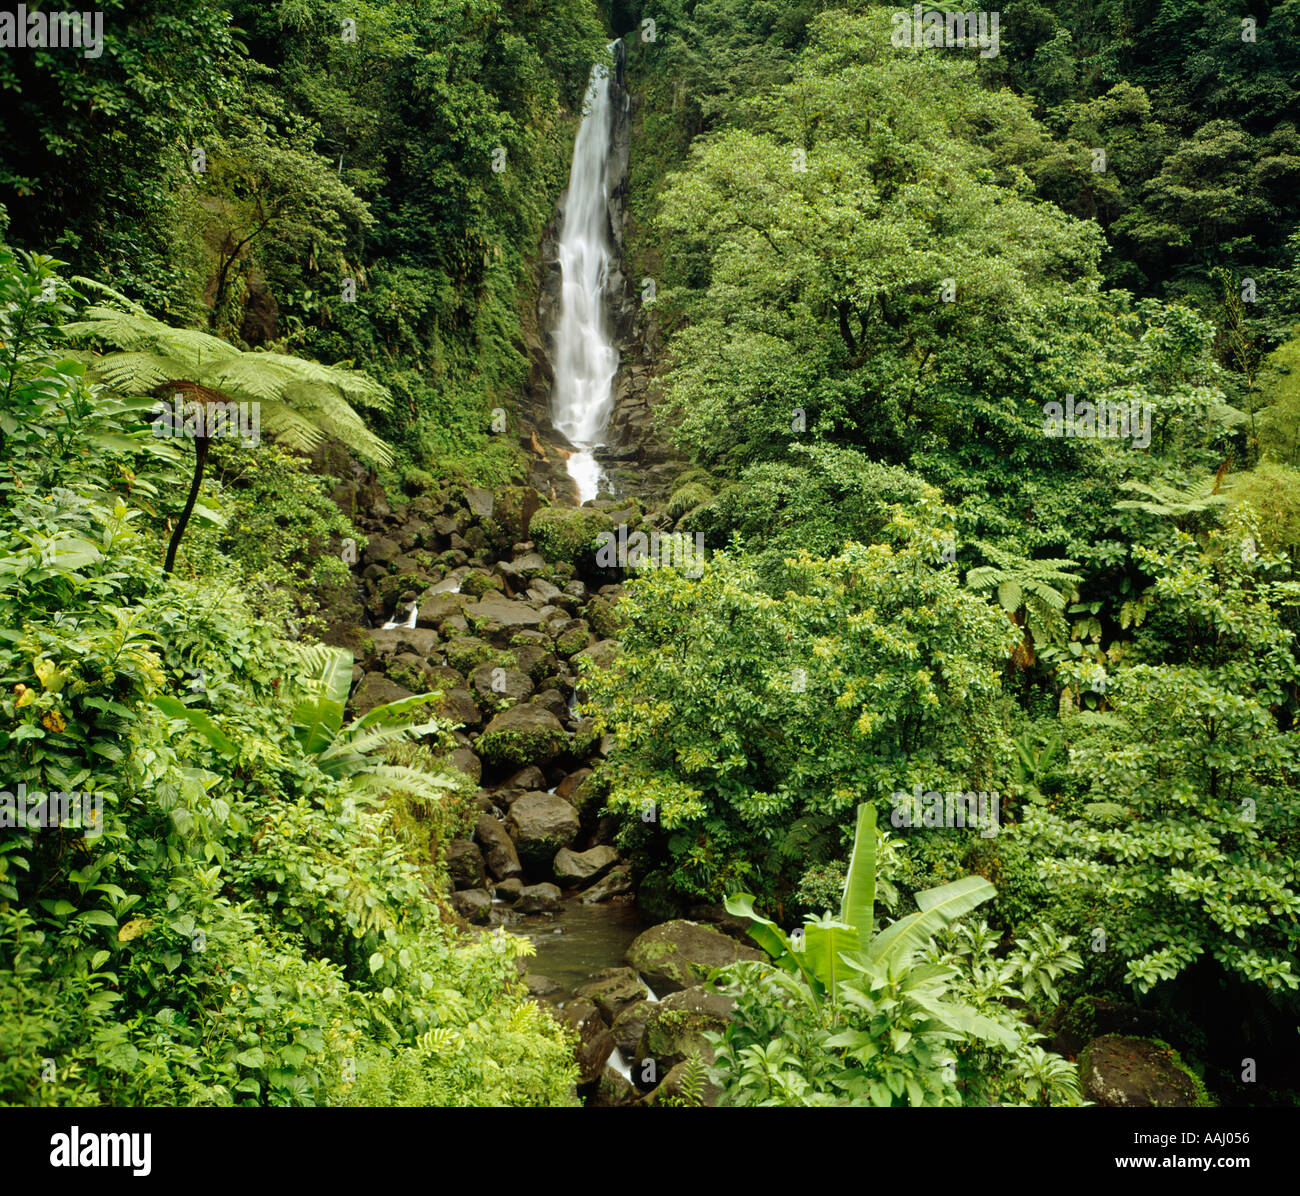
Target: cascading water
585	360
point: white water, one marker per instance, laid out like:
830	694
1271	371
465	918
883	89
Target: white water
585	361
411	613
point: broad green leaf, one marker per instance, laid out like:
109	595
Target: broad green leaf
938	907
201	723
859	901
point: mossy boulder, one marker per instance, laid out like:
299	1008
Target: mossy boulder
676	1027
1138	1073
524	734
466	652
569	533
679	954
600	614
574	638
478	582
541	825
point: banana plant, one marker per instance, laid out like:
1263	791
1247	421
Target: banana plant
351	753
828	950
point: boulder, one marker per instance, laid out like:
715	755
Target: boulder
673	1088
524	734
614	884
494	608
459	706
540	825
613	990
494	685
474	905
578	867
629	1025
675	955
393	641
498	848
479	501
614	1091
599	656
463	760
531	777
375	690
1136	1073
509	889
595	1042
675	1027
436	608
465	864
540	986
539	899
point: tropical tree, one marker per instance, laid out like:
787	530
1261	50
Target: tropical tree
298	402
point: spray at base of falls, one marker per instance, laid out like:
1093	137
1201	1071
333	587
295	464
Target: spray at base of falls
586	360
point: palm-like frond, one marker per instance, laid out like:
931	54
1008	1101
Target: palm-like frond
301	401
1170	501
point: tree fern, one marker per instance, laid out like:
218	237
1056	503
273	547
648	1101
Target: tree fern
1040	587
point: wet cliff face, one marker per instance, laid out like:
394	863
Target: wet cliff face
632	458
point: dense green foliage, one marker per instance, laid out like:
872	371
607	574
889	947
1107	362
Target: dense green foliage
233	913
878	270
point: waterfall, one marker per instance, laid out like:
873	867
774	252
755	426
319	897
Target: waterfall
585	360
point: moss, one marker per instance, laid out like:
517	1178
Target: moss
569	533
600	614
505	748
465	653
477	584
571	641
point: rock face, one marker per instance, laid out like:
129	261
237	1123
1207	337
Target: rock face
675	955
1136	1073
540	825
